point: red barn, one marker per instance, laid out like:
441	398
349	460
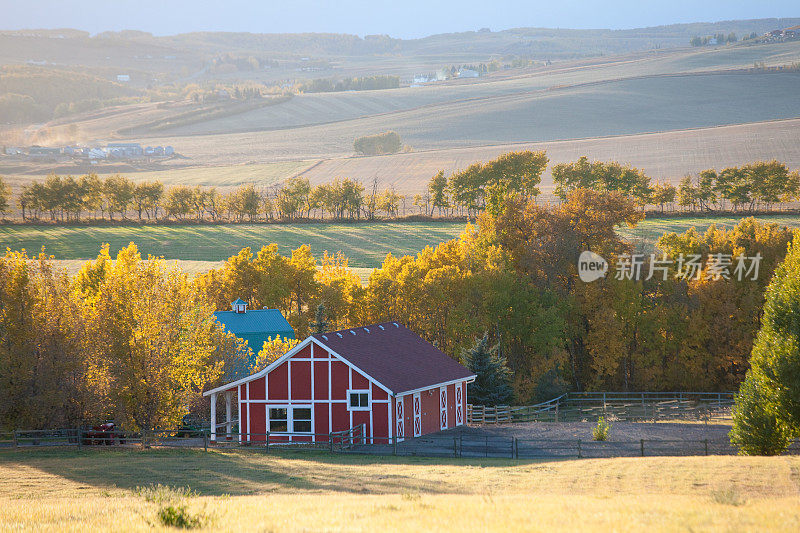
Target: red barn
383	376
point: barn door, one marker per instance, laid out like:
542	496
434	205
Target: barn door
459	404
400	432
417	404
442	407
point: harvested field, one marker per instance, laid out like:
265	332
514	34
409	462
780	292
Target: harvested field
666	156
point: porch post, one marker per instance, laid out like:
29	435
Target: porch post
214	417
228	415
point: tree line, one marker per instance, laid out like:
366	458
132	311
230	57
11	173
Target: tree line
364	83
756	186
135	340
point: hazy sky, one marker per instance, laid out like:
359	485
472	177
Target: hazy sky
399	18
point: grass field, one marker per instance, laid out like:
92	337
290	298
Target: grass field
199	247
365	244
295	491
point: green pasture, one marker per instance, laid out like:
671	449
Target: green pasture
366	245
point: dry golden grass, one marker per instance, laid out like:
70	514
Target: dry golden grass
288	491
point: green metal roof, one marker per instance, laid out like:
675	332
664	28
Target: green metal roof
256	327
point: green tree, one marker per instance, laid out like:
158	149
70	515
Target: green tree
179	202
320	325
5	196
118	193
768	408
758	428
492	382
437	188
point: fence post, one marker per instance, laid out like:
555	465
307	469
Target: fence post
205	441
580	454
80	439
514	448
642	446
557	404
461	445
330	441
267	441
705	442
394	444
455	447
14	438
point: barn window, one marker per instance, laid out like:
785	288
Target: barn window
278	420
301	420
359	400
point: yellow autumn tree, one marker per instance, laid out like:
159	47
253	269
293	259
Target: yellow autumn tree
272	349
154	346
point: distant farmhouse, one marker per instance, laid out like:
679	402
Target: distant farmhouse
255	326
117	150
125	150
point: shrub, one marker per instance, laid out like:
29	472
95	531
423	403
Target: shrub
387	142
164	493
728	497
600	432
179	516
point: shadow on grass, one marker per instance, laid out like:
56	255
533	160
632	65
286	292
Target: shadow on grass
243	472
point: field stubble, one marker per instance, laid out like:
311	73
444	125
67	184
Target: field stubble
241	490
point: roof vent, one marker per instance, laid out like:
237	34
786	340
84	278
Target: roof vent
325	337
366	329
340	335
380	326
353	332
396	324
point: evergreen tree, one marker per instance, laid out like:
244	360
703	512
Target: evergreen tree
492	383
320	325
767	413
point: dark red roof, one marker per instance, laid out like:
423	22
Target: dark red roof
395	356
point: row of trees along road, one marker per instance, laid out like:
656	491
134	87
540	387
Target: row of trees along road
760	185
135	340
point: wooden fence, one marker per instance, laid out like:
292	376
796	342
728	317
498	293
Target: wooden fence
336	441
490	446
627	406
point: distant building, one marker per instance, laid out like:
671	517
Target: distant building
11	150
125	150
123	77
169	150
43	151
95	153
468	73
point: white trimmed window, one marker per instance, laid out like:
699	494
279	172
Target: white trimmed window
288	419
358	400
301	420
278	420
